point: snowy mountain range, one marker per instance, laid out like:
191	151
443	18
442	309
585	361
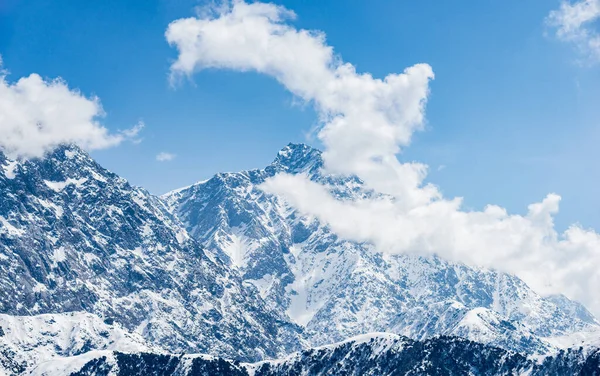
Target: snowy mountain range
76	237
375	354
337	289
96	272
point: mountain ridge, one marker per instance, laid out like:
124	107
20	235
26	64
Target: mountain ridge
223	269
77	237
298	264
372	354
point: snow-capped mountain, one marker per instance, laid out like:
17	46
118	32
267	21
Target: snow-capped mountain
336	289
76	237
373	354
102	278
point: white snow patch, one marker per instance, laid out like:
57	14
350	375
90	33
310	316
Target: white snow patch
58	186
39	287
206	306
90	258
97	176
138	251
478	324
179	190
9	229
9	169
182	236
139	201
364	338
47	342
147	231
305	298
58	211
68	365
59	255
235	246
586	339
264	285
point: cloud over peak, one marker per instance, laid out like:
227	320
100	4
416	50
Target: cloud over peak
37	115
364	123
365	120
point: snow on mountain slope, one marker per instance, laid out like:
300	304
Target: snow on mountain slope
76	237
588	341
374	354
337	289
26	341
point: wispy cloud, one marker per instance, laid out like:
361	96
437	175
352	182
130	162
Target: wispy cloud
575	22
365	122
133	132
165	157
37	115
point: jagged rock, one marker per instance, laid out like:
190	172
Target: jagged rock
76	237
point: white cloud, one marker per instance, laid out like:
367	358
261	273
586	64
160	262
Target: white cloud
364	124
133	132
527	246
165	157
365	120
37	115
574	22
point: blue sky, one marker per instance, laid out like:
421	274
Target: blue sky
513	114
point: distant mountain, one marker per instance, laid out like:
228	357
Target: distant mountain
75	237
376	355
336	288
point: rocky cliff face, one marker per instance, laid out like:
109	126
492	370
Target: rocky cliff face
76	237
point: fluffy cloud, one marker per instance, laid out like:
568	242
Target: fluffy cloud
36	115
574	22
365	122
527	246
165	157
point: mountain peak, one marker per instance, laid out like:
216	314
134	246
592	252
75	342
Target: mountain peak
297	148
75	237
69	152
296	158
64	161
